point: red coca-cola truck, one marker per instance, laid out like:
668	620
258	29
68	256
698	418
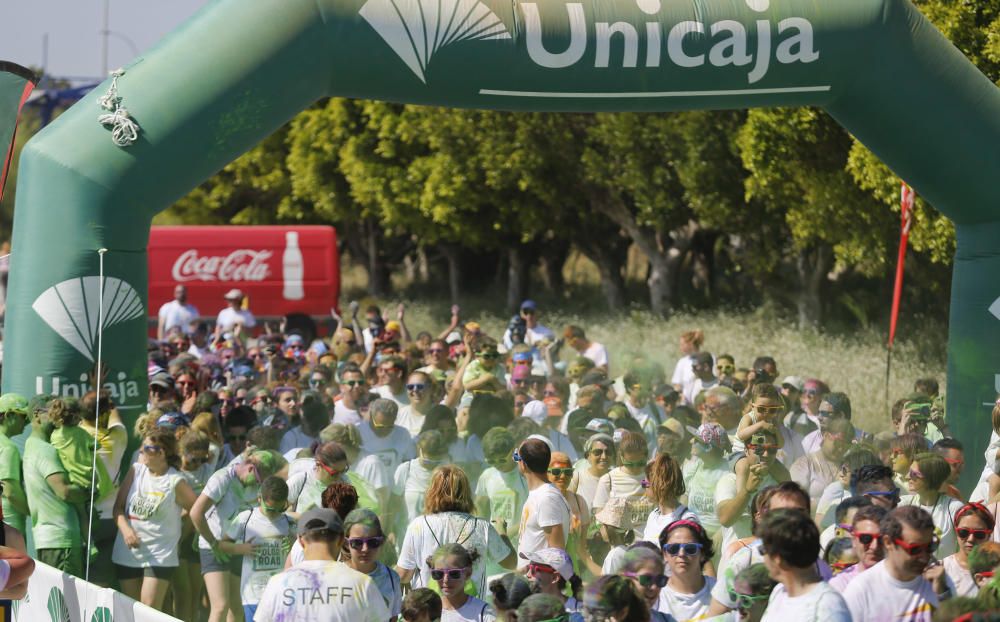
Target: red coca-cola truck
282	270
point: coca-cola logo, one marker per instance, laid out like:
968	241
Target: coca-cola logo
240	265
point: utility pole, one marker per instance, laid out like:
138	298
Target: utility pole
104	39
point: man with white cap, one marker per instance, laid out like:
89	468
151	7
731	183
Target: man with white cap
536	331
234	315
321	589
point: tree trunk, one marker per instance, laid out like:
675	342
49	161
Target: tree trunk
517	277
379	283
609	255
454	272
812	266
423	266
553	258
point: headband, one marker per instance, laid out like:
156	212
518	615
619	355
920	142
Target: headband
969	507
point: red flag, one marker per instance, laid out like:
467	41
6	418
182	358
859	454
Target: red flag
16	83
906	218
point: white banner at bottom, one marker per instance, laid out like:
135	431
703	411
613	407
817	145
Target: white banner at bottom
56	596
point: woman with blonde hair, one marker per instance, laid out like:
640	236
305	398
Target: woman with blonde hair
448	518
207	424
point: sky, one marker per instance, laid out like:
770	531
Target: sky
74	31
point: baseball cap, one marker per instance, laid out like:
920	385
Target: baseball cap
13	403
172	421
595	378
529	304
162	379
535	410
319	519
673	426
234	294
711	434
553	557
795	382
600	426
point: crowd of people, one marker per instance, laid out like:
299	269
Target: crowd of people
376	475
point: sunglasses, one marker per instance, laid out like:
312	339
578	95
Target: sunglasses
638	464
435	351
760	450
562	472
550	394
866	537
913	549
274	509
888	494
647	580
600	452
986	574
151	449
690	548
768	410
533	568
330	471
810	392
359	544
452	573
746	601
489	355
195	460
520	382
416	387
516	456
353	383
236	437
726	368
841	565
955	462
977	534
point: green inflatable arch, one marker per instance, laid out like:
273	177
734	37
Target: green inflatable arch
239	69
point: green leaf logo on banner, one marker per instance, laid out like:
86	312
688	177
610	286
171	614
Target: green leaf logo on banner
102	614
57	606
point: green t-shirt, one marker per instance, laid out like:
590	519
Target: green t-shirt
10	469
75	447
54	522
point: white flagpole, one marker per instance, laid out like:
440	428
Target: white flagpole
97	407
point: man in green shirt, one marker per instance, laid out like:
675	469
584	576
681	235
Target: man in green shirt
54	522
13	417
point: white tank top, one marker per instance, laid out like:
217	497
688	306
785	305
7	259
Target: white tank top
152	509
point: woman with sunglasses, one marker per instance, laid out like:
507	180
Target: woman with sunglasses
196	468
148	514
599	453
450	566
330	465
645	569
625	482
751	590
927	473
812	394
973	525
686	549
363	539
560	474
447	517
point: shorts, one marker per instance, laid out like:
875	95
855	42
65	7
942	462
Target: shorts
248	612
69	560
157	572
210	564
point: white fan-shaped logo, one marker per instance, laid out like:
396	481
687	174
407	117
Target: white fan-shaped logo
416	29
72	309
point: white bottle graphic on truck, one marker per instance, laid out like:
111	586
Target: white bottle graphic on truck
292	269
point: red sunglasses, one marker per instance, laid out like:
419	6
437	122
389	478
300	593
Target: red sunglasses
913	549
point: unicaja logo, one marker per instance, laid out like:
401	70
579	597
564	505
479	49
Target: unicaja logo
72	309
416	29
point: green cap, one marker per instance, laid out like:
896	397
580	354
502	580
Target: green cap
13	402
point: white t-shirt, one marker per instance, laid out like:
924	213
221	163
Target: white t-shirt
820	604
295	438
230	496
390	586
943	513
305	491
321	591
427	533
410	419
271	538
657	521
618	484
726	490
686	606
832	495
531	336
960	581
583	483
228	318
474	610
597	353
411	482
390	451
614	561
683	372
545	507
401	398
343	414
371	470
701	482
507	493
153	512
881	597
696	386
176	314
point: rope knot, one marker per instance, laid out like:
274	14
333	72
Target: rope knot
124	131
